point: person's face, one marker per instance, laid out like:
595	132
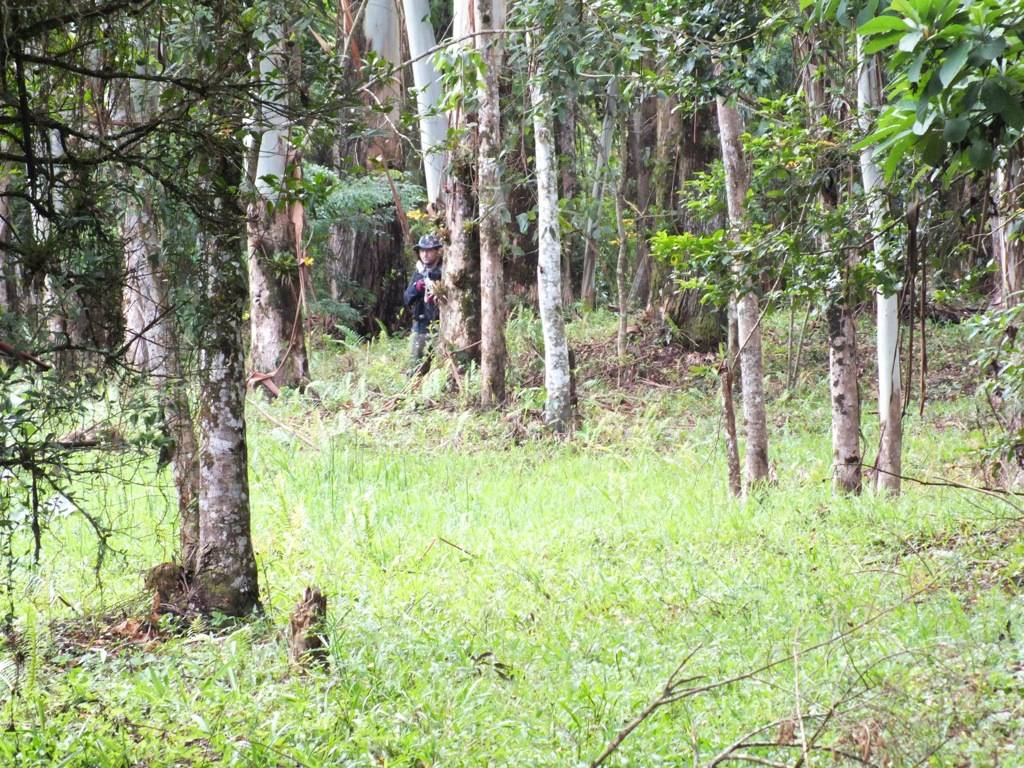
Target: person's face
430	257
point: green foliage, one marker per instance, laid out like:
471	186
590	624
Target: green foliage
958	81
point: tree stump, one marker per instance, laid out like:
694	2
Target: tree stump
306	642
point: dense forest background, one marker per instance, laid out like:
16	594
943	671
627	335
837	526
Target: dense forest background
727	375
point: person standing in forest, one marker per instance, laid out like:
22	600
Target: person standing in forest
421	296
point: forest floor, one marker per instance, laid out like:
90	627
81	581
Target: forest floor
498	597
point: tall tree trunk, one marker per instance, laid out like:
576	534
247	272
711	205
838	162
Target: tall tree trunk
382	31
557	373
842	331
642	149
737	181
1007	249
620	226
8	298
490	15
153	346
588	283
433	125
277	330
667	132
460	302
890	399
565	134
225	577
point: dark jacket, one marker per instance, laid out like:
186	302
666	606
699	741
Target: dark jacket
423	312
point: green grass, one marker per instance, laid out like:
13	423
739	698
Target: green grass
501	598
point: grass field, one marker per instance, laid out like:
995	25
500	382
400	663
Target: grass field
500	598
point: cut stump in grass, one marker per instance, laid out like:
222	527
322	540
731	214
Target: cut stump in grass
306	642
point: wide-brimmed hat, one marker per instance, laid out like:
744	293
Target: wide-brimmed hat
428	243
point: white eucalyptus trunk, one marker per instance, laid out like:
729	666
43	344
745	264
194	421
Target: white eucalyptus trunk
277	330
737	183
490	15
433	123
382	29
890	400
557	373
588	282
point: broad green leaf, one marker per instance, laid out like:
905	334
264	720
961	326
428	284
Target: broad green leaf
956	129
994	96
990	49
1013	114
883	24
877	44
914	71
910	40
980	154
954	62
933	149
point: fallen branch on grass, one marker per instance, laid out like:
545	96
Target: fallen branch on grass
674	691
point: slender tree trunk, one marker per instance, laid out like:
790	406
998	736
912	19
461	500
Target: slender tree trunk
490	14
225	577
890	400
460	302
557	373
569	188
277	330
842	332
1007	250
588	284
153	347
433	125
642	152
737	180
620	226
8	298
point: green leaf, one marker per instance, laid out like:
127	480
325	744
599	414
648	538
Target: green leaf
883	24
1013	114
994	96
910	40
954	62
980	154
914	71
933	150
990	49
880	43
956	129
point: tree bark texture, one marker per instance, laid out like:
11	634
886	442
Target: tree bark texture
842	334
490	14
277	330
1007	249
588	281
153	346
225	577
460	300
737	181
620	226
565	133
890	399
557	373
368	271
643	139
